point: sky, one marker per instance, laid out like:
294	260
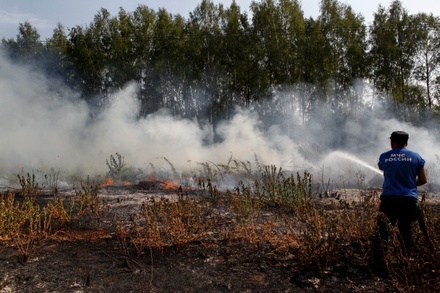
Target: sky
45	14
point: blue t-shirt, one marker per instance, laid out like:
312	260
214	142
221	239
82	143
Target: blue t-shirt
400	167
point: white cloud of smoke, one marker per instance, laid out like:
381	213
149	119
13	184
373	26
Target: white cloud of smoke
41	130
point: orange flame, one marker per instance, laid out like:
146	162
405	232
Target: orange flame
169	185
108	181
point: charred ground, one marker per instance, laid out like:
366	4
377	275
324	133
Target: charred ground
243	251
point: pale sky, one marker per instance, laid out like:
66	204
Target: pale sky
45	14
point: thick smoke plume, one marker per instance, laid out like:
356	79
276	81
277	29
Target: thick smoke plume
41	129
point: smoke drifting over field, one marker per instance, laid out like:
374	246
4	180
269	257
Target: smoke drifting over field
41	129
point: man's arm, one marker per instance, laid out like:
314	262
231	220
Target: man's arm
421	177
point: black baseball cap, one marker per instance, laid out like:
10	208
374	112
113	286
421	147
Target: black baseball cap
400	137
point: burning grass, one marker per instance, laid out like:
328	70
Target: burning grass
275	213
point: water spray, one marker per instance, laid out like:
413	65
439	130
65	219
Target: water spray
353	159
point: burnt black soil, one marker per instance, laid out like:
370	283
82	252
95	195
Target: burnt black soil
79	259
94	263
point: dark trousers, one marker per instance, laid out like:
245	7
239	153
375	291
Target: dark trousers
395	209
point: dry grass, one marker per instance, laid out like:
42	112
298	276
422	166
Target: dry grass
26	222
276	213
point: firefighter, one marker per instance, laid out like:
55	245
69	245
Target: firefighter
403	171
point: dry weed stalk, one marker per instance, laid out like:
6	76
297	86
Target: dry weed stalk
29	184
243	202
422	269
89	200
27	223
55	215
21	223
166	223
275	213
263	234
116	165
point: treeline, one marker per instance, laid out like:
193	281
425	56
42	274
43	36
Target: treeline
220	57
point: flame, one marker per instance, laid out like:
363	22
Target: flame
169	185
165	184
108	182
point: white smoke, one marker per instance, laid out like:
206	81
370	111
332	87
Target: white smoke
41	130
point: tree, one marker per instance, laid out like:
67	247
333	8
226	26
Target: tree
56	62
167	61
315	55
393	48
122	57
346	35
271	43
427	62
89	49
143	20
27	48
202	48
238	59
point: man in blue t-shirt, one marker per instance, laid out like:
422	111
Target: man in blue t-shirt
403	171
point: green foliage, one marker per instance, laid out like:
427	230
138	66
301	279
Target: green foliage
27	48
284	189
233	60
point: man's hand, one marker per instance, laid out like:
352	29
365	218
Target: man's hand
421	177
